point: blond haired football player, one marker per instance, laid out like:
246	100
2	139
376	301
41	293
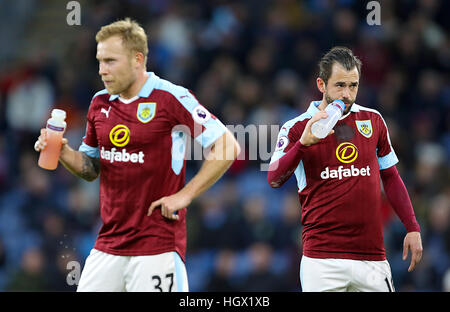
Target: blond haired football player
136	136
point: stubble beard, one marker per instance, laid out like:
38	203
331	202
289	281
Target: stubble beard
119	89
348	103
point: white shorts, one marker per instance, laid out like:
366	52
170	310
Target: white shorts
345	275
155	273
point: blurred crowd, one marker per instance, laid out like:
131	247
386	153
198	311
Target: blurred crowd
249	62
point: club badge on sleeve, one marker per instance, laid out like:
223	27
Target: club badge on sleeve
283	141
146	112
364	127
200	115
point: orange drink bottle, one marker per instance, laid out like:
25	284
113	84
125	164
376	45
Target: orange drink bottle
48	159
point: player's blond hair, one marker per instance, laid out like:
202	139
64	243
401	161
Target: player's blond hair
132	34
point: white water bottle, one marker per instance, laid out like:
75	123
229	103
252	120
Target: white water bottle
322	127
48	159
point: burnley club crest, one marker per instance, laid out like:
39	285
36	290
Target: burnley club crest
364	127
146	112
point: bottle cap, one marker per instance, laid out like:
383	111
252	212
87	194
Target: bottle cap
59	114
340	103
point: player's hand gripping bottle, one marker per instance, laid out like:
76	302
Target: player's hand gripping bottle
322	127
48	159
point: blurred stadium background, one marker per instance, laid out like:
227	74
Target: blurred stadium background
249	62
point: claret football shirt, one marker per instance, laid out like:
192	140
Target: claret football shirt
339	186
141	143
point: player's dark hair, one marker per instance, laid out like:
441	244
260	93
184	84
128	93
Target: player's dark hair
342	55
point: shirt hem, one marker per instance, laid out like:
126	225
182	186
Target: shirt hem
138	252
344	255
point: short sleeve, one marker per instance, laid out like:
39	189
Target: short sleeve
89	144
287	137
385	153
203	126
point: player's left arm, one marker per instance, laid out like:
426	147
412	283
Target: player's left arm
223	152
398	196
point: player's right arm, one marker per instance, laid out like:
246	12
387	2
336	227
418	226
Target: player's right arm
76	162
288	155
307	137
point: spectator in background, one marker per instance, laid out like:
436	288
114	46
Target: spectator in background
29	102
438	240
261	277
31	275
222	276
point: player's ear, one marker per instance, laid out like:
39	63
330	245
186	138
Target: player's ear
321	85
138	59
